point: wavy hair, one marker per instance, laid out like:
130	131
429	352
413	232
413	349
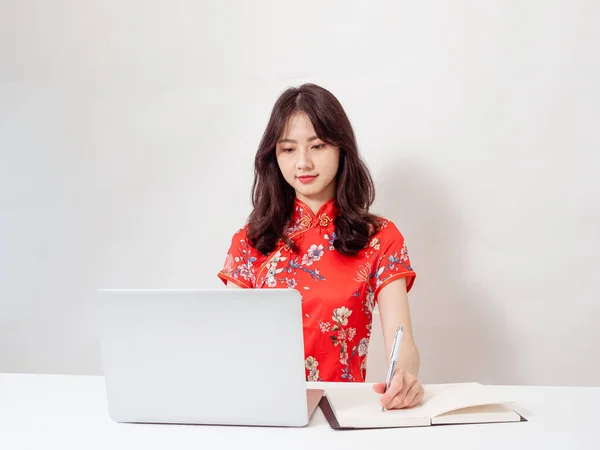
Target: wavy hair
273	198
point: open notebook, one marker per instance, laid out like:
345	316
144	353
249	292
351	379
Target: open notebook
461	403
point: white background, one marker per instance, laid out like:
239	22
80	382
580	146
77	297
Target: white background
128	130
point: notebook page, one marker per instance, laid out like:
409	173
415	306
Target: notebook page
313	396
465	395
360	408
478	414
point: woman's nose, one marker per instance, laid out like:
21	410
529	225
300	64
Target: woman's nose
303	161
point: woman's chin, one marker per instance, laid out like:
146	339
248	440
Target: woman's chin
310	194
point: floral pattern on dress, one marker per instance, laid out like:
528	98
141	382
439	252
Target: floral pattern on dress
314	253
343	336
312	365
240	266
338	292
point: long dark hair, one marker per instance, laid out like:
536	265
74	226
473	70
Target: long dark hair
273	198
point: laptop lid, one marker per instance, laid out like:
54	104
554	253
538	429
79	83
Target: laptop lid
212	356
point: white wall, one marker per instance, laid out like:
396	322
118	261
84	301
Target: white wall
125	125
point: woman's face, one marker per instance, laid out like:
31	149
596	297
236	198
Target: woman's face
307	163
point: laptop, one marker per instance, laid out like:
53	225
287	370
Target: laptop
209	356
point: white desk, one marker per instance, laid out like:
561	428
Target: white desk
70	412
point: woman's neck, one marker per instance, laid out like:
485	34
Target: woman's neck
314	203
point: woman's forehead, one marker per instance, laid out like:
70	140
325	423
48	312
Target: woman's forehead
298	126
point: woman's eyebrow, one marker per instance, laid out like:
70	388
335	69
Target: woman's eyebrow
291	141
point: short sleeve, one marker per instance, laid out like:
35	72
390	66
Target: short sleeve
239	262
392	261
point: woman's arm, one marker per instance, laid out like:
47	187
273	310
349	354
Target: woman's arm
233	285
394	312
405	390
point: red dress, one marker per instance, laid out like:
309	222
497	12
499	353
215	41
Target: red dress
338	292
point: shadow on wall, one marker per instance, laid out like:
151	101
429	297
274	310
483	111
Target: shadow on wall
459	333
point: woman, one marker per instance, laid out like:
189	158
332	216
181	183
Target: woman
311	230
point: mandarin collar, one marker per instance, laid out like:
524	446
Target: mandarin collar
303	217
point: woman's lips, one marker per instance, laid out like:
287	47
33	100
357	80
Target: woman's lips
305	179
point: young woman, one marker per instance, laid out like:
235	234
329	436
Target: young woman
311	230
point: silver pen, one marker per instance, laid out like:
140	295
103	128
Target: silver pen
393	359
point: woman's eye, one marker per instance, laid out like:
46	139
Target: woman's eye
319	146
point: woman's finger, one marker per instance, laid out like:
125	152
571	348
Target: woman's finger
410	395
418	397
400	396
379	388
395	387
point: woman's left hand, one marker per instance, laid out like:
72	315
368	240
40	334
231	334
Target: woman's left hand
405	391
